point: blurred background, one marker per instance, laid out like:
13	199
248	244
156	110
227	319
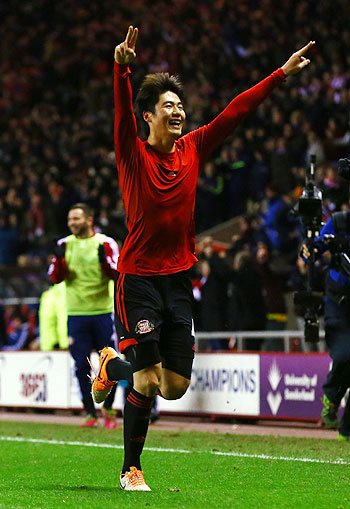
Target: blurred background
56	144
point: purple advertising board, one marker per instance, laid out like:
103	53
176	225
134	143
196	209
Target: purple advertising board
291	384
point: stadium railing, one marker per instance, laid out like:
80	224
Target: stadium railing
242	338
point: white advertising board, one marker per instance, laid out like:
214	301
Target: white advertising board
226	384
34	379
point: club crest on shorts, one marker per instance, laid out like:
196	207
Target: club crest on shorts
144	326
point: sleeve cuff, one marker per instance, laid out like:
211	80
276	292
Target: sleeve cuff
280	72
121	69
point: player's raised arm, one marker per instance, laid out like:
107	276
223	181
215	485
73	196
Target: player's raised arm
125	52
297	61
224	124
125	127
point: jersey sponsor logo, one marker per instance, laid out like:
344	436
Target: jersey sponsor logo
144	326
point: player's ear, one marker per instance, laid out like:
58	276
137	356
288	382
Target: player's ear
147	116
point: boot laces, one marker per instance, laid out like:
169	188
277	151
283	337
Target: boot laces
135	477
92	368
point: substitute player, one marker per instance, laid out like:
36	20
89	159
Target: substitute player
158	180
87	261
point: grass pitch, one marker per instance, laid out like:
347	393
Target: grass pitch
55	466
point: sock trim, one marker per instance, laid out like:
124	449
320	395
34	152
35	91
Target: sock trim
138	402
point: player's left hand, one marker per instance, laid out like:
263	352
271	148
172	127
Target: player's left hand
297	61
102	254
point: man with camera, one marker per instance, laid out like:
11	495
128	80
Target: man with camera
335	237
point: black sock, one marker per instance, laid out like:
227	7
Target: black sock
136	420
117	369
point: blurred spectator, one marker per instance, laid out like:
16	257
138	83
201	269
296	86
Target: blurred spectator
21	329
237	179
333	188
249	235
259	177
17	333
9	241
53	329
245	307
314	147
273	285
278	224
3	334
35	218
209	197
211	292
281	161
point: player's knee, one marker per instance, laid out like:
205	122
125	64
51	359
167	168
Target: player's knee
147	381
176	389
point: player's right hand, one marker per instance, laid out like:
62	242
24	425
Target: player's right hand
125	52
297	61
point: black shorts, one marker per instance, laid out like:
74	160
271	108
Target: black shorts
156	311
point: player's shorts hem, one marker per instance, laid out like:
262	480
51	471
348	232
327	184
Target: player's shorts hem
143	355
125	343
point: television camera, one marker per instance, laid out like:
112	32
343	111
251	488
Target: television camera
309	208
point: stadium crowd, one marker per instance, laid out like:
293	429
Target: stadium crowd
56	137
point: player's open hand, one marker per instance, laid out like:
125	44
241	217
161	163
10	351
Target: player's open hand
125	52
297	61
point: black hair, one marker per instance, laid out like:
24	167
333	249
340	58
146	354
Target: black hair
152	87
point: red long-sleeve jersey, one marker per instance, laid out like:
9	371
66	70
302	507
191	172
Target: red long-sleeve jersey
158	188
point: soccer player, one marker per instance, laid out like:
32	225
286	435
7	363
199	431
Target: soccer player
153	295
87	261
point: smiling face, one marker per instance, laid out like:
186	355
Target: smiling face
168	118
79	224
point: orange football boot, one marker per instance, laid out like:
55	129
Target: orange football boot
101	386
133	481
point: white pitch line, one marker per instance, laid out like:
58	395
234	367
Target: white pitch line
87	444
338	461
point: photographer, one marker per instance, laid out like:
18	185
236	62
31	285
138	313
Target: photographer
335	237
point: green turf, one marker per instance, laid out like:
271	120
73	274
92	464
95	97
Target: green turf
37	475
